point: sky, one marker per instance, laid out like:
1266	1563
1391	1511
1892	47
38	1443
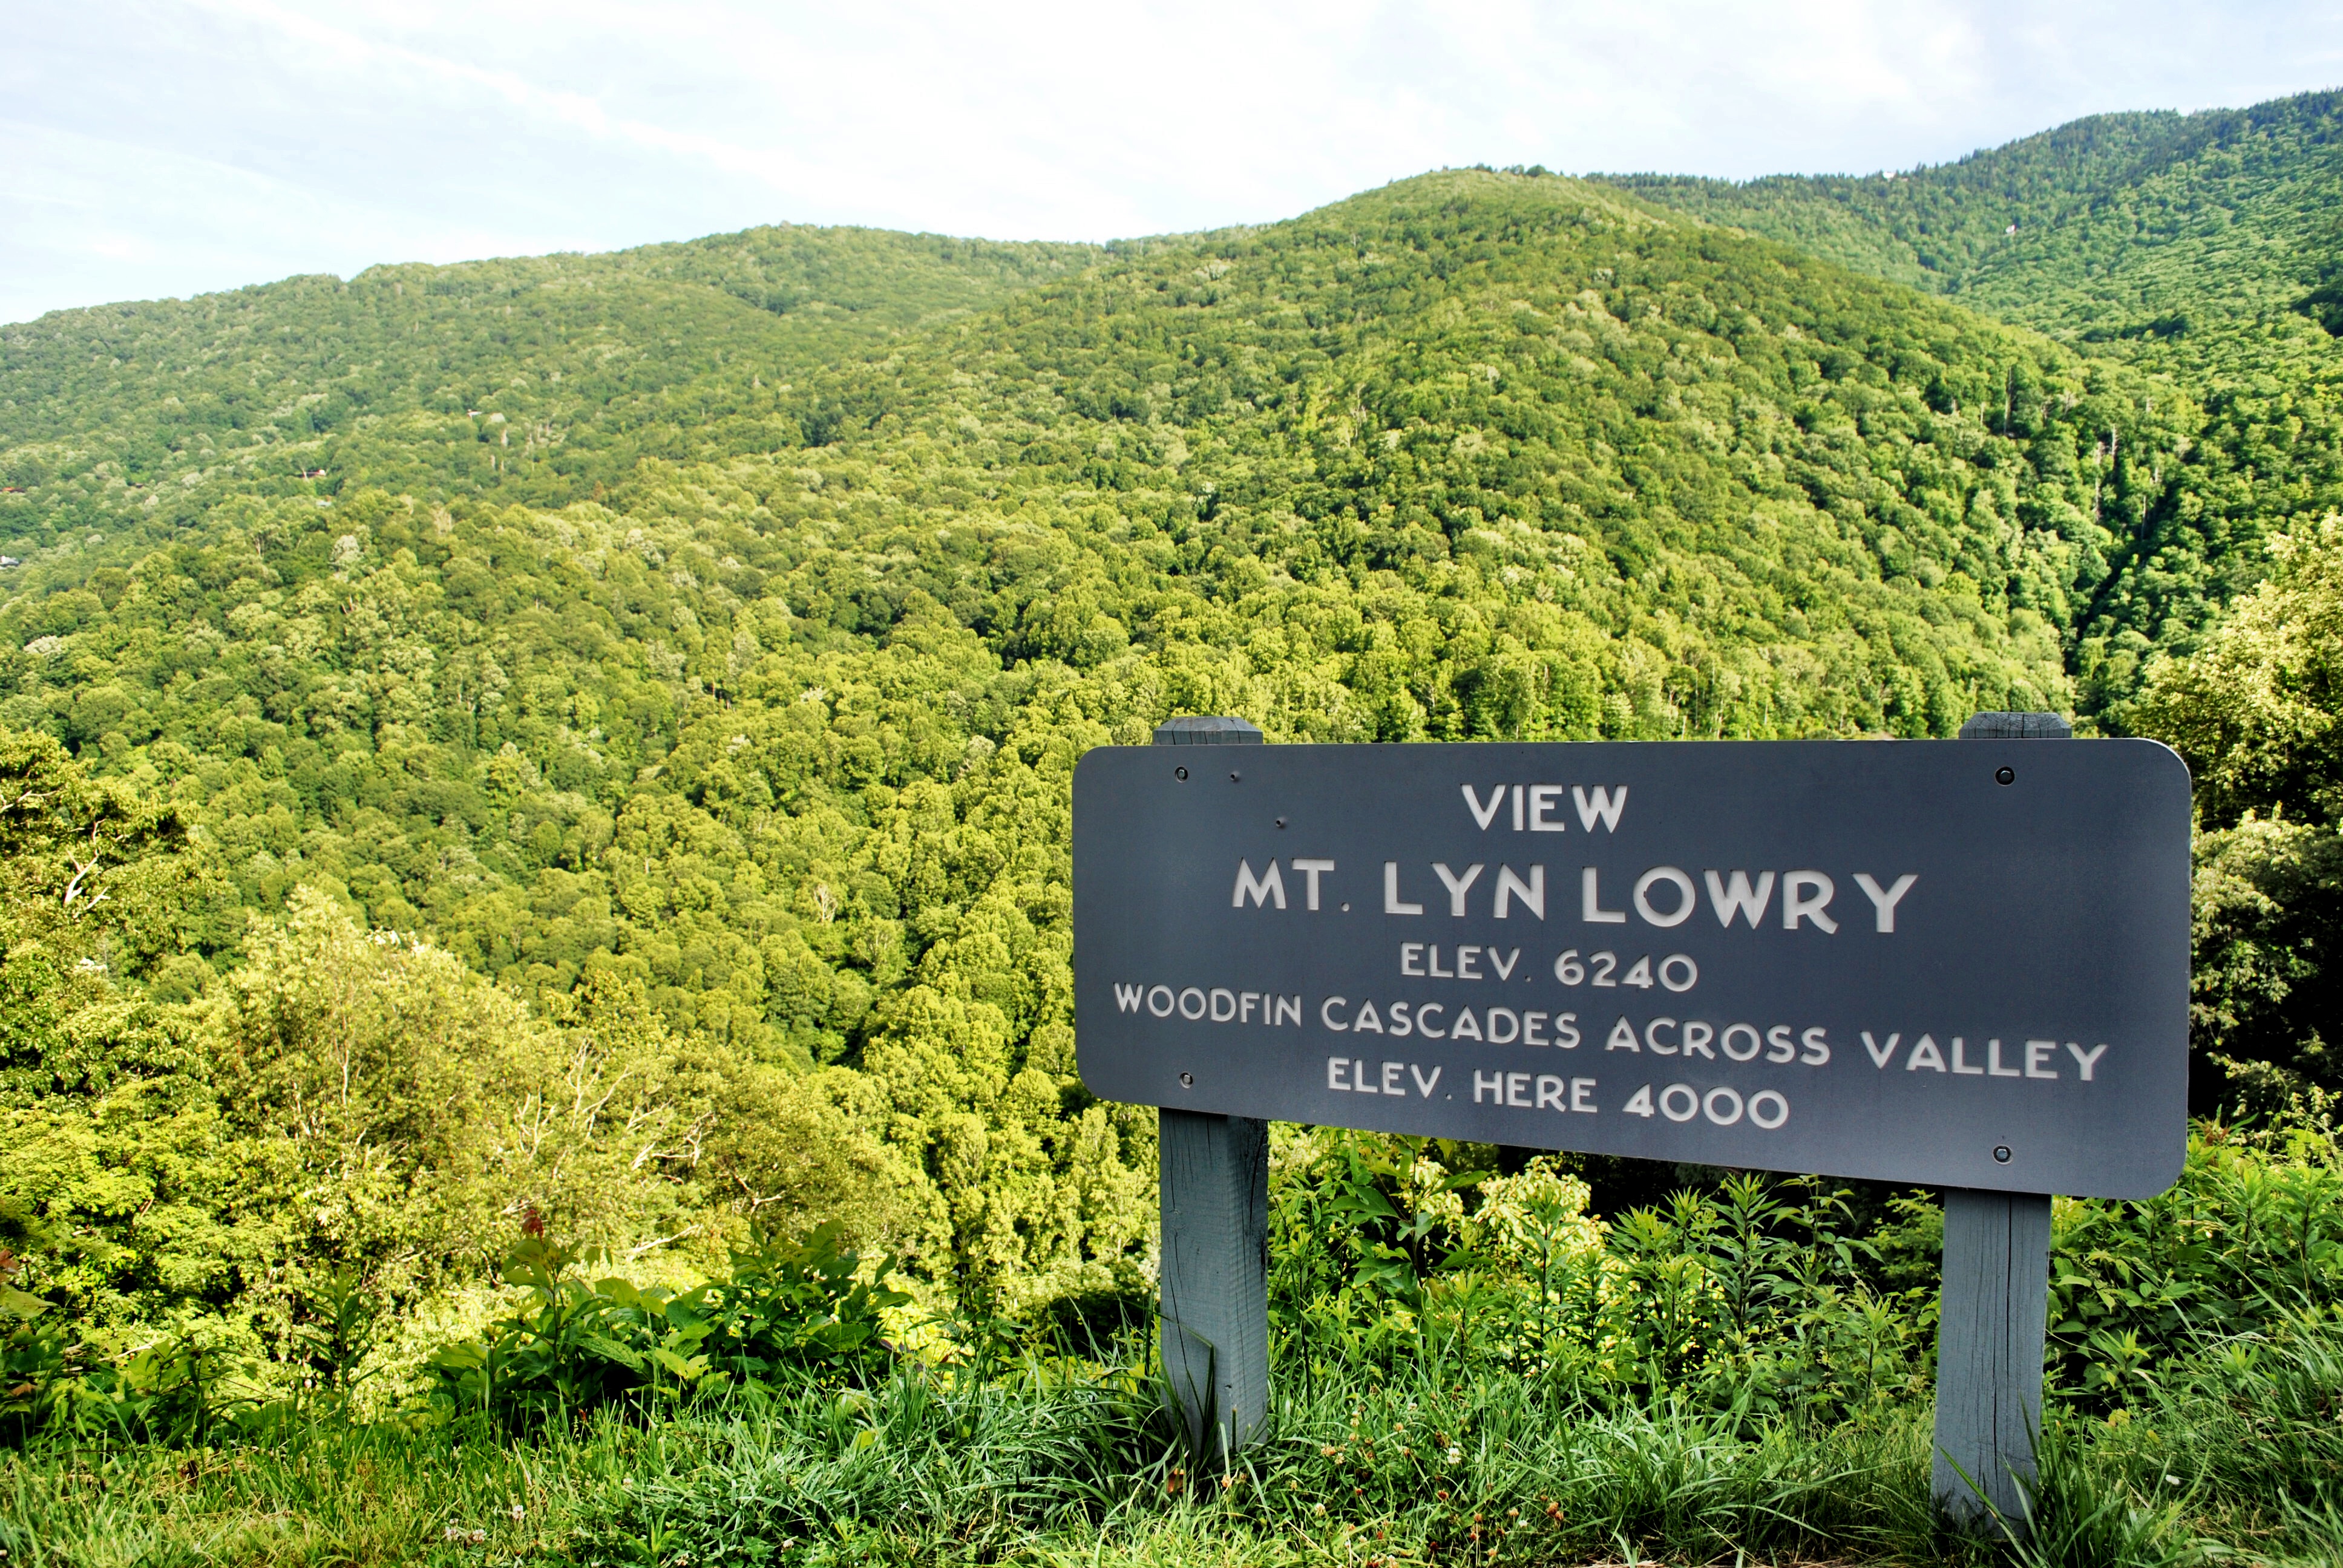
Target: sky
168	147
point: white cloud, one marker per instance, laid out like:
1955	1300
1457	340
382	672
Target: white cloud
160	146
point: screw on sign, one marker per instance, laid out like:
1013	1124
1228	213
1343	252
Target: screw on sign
1955	966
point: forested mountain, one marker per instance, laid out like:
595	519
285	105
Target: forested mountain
2206	245
1474	456
2141	228
696	643
570	367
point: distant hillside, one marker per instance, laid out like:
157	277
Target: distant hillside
539	378
2138	227
2208	246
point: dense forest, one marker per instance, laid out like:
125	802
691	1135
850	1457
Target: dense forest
2203	245
583	744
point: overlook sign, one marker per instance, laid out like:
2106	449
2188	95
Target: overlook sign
1962	965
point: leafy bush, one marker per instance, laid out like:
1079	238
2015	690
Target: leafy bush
2255	711
170	1392
31	1359
1760	1296
785	1315
167	1391
2249	1241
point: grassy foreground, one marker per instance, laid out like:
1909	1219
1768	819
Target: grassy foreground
1737	1372
2237	1456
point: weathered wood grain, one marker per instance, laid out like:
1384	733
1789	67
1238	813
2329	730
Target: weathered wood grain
1215	1280
1997	1290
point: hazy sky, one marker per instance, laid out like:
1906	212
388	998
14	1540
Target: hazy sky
169	147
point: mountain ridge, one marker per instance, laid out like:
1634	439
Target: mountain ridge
1911	224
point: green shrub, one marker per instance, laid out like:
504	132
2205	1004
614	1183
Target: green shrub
32	1362
2249	1240
1763	1296
787	1315
167	1391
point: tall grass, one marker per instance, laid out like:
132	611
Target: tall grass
1050	1461
1735	1376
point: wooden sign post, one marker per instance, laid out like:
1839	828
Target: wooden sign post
1992	1309
1214	1270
